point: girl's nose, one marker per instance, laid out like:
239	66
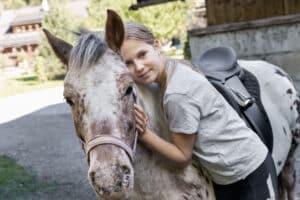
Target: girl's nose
139	66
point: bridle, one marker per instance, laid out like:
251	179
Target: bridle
111	140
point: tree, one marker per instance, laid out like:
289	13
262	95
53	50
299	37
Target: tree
13	4
165	20
33	2
60	21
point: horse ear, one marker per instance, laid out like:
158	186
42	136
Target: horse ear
114	30
61	48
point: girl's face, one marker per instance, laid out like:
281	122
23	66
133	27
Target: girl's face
143	60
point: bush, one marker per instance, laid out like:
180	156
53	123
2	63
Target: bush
4	61
165	20
40	68
59	21
187	49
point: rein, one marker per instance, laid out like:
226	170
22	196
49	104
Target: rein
111	140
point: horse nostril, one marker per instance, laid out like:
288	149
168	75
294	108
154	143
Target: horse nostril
92	177
125	170
100	191
103	191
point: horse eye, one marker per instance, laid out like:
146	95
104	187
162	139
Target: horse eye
69	101
129	90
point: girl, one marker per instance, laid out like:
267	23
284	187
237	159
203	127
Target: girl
201	123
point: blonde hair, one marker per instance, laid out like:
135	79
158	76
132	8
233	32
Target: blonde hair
140	32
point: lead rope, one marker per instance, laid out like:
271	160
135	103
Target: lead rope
134	144
135	129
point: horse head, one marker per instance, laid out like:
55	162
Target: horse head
101	93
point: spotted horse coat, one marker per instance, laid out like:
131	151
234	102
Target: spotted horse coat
281	103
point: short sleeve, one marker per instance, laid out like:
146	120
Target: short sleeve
182	113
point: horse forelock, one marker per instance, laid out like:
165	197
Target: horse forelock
87	51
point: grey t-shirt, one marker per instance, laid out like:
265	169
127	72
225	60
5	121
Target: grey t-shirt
224	145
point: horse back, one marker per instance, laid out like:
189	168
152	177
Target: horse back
280	101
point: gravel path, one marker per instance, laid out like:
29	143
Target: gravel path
44	141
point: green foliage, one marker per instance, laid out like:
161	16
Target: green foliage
16	182
39	68
59	21
3	60
165	20
13	86
187	50
33	2
13	4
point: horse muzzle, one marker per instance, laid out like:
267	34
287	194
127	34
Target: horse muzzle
112	178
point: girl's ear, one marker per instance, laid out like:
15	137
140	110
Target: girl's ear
157	44
114	31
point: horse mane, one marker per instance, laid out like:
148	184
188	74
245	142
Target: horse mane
88	49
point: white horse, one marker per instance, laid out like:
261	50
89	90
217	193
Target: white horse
101	93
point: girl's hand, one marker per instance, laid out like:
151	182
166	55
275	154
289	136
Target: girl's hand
141	119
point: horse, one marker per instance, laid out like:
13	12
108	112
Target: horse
101	93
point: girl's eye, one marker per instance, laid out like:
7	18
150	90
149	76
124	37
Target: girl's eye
69	101
128	63
142	54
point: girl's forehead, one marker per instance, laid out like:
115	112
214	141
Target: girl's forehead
131	47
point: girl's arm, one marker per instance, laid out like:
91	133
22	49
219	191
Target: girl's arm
178	151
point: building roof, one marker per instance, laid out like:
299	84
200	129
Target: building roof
19	39
27	16
34	14
144	3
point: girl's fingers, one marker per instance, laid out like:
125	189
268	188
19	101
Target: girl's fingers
139	121
139	115
141	118
140	129
140	125
142	121
139	109
138	112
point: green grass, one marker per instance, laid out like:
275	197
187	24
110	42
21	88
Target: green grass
18	85
16	182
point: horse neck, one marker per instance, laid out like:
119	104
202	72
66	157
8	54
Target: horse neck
149	99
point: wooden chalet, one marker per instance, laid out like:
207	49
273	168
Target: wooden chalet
20	29
20	32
